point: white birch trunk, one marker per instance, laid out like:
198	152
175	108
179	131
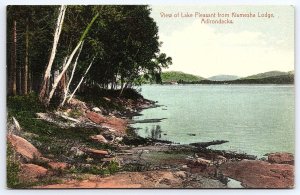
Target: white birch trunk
87	70
56	81
71	78
58	29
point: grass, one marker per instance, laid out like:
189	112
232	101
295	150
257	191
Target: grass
12	168
109	169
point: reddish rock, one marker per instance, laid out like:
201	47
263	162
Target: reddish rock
58	165
95	117
281	158
99	138
260	174
96	152
31	172
23	147
116	125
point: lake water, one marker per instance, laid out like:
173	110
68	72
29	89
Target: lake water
256	119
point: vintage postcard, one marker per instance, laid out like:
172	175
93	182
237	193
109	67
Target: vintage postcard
150	96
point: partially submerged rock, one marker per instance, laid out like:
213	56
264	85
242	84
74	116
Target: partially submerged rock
281	158
206	144
23	147
260	174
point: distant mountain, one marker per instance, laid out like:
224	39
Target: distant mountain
268	74
223	77
177	76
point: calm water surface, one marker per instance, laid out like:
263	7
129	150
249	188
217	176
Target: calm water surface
256	119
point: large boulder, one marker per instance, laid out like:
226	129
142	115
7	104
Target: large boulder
23	147
32	172
281	158
260	174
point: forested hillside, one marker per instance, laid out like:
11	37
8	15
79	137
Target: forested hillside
177	76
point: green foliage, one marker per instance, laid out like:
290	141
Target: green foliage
75	113
109	169
179	76
12	168
124	39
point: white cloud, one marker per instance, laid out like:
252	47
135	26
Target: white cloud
200	50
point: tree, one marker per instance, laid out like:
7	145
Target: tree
46	81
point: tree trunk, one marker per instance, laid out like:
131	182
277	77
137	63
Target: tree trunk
13	68
25	71
87	70
56	81
66	92
46	80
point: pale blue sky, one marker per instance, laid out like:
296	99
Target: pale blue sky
249	46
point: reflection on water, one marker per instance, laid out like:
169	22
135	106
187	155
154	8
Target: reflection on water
155	132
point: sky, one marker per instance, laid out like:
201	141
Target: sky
249	46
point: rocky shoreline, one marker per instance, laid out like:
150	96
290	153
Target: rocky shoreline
140	162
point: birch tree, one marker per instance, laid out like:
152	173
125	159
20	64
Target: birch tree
46	81
58	78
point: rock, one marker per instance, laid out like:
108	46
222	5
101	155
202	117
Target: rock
89	160
58	165
95	117
220	159
116	125
96	152
119	139
43	159
184	166
260	174
96	109
99	138
281	158
181	174
31	172
203	162
77	151
23	147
